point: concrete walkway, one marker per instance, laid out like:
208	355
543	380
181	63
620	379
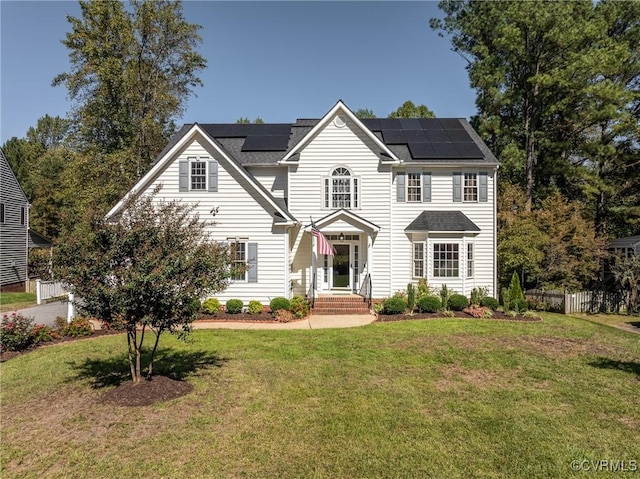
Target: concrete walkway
311	322
46	313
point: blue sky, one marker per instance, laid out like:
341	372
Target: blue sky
276	60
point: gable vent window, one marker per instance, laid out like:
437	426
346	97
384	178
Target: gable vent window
341	189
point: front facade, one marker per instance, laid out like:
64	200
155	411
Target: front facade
398	200
14	227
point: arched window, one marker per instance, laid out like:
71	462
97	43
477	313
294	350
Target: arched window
341	189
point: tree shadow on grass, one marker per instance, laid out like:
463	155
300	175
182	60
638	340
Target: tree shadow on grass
177	365
626	366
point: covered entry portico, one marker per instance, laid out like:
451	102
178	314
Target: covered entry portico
351	238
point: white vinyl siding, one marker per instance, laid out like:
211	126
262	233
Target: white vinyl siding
241	213
310	197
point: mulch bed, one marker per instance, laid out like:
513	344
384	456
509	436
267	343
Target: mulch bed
156	389
457	314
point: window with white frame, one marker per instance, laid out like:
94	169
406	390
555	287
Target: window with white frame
469	260
239	259
198	174
470	188
414	187
418	260
446	260
341	189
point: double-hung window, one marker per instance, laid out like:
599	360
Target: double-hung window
470	188
418	260
469	260
341	189
446	260
198	174
238	260
414	187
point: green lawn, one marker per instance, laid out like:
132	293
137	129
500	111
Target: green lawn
13	301
440	398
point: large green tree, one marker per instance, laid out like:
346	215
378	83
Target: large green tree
547	75
409	110
147	270
133	69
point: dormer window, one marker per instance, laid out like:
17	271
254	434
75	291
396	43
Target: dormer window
341	189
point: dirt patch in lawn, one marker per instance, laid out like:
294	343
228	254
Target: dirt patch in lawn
453	374
149	391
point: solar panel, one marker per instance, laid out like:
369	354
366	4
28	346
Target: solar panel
469	150
421	151
266	143
394	137
451	124
430	124
459	136
415	136
444	150
410	124
436	136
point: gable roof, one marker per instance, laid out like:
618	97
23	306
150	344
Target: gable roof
432	141
339	107
442	221
347	216
627	242
9	176
281	214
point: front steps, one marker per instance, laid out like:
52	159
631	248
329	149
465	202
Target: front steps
351	304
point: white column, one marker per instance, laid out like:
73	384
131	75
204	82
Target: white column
370	259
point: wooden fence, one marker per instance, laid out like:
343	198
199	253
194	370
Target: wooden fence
582	302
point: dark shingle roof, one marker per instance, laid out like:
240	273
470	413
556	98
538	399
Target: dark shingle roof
628	242
442	221
434	141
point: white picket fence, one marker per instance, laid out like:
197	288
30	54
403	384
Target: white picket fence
581	302
49	289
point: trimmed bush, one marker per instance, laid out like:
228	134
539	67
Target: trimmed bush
78	327
429	304
520	305
211	306
457	302
234	306
279	303
255	307
490	302
299	307
394	305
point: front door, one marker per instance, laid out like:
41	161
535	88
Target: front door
342	267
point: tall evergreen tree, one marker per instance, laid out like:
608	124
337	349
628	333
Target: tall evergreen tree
132	71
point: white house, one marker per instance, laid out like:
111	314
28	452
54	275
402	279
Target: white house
398	199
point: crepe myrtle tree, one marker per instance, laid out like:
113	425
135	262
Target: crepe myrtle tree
145	269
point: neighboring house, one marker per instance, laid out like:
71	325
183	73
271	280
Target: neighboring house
626	246
14	227
400	200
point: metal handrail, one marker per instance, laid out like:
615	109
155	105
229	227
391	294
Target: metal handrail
366	289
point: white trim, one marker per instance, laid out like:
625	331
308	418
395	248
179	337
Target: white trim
187	138
287	265
329	117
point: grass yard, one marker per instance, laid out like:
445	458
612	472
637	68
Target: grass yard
13	301
440	398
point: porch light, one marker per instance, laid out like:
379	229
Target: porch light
341	237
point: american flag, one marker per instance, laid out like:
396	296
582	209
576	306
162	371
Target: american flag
323	243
